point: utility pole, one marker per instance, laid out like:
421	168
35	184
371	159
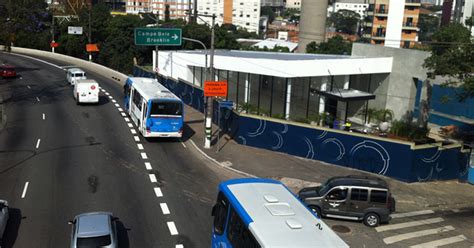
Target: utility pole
208	113
195	10
90	30
157	19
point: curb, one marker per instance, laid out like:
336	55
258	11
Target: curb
220	164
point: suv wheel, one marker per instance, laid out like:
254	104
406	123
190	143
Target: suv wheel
371	219
316	211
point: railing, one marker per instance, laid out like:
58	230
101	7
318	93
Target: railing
410	24
381	11
378	34
412	1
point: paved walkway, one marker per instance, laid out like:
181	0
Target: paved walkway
297	172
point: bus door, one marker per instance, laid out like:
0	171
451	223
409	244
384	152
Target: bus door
136	107
143	123
220	212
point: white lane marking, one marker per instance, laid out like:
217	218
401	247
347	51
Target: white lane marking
408	224
59	67
127	120
164	208
107	93
130	124
152	178
133	131
116	105
140	146
114	101
123	114
38	143
37	99
44	116
102	90
110	97
172	228
410	235
120	109
440	242
28	87
158	192
136	138
179	246
411	214
24	190
144	156
184	145
148	165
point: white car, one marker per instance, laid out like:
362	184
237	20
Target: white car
95	229
86	91
3	218
74	74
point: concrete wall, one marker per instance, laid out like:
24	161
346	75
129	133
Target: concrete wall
313	22
97	68
407	64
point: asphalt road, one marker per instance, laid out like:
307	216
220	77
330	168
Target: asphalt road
58	160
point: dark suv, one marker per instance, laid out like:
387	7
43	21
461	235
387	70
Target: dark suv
351	198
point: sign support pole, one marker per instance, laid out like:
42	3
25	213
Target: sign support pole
208	112
156	47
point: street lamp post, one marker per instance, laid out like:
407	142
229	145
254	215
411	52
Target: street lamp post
157	19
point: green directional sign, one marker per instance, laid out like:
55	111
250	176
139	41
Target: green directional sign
158	36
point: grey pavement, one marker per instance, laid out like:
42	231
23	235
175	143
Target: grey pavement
299	172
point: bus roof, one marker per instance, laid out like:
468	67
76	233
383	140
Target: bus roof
75	70
150	88
275	216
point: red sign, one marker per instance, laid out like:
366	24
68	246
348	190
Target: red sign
54	44
215	88
92	48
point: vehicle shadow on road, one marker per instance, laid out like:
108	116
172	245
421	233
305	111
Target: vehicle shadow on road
122	235
187	134
11	230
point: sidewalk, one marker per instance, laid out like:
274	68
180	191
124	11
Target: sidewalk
298	172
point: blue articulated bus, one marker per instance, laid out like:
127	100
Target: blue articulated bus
155	110
256	212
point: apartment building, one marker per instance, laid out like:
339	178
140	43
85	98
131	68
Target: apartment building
392	23
241	13
177	8
358	6
293	4
273	3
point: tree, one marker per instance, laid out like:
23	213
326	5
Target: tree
428	25
267	11
452	56
335	45
345	21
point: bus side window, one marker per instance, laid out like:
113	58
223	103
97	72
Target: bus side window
238	234
219	212
137	99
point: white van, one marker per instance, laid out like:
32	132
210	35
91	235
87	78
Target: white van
74	74
86	91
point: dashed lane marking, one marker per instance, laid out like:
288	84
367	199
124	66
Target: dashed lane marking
127	119
164	208
144	156
408	224
110	97
130	124
410	235
133	131
114	101
140	147
44	116
38	143
25	188
107	93
172	228
158	192
152	178
179	246
123	114
411	214
37	99
120	109
28	87
440	242
136	138
148	165
116	105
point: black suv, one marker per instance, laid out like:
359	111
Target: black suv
351	198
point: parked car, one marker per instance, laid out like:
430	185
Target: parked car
95	229
3	218
86	91
7	71
74	74
352	198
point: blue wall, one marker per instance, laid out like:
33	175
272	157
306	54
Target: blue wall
380	156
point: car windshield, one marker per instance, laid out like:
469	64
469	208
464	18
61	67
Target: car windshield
166	108
94	241
79	75
325	188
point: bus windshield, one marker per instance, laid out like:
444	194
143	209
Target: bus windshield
166	108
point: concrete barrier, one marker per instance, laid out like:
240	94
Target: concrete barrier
118	77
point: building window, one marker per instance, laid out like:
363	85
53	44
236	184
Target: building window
247	23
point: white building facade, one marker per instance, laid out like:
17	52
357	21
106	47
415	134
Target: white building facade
241	13
356	6
177	8
293	4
